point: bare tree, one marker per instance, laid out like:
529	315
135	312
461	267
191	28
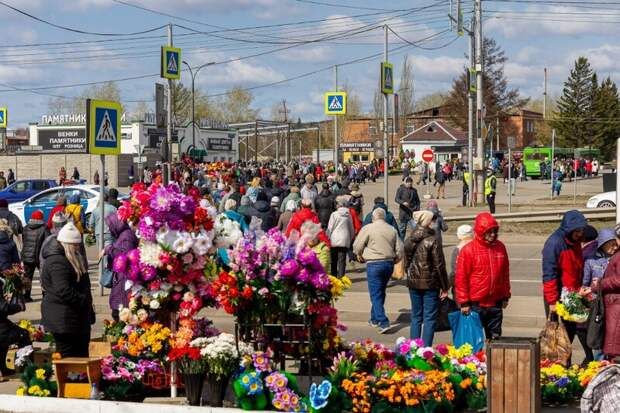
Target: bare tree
405	88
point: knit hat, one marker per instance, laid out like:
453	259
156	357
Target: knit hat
291	205
59	219
275	201
423	218
38	214
464	231
230	204
432	204
245	200
69	234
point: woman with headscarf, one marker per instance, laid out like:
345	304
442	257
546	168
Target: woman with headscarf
465	234
66	310
124	241
310	235
427	278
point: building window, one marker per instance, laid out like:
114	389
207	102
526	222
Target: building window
126	136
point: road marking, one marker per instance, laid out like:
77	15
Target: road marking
527	281
524	259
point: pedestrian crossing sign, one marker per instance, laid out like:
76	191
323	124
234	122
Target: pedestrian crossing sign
170	62
103	127
387	78
335	103
3	115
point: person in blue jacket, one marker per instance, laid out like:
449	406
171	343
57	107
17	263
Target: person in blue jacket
389	217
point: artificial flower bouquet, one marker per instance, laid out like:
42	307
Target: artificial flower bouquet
37	381
573	306
260	387
15	280
227	232
36	331
122	377
143	340
176	244
221	354
561	385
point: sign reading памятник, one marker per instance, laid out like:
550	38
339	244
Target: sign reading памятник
335	103
103	126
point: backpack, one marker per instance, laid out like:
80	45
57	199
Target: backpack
596	324
603	393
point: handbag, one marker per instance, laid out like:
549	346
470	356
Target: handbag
446	306
595	336
467	329
399	270
554	341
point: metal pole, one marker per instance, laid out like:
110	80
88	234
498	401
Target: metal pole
289	150
386	149
618	181
193	111
470	121
497	133
336	140
509	180
278	146
168	176
101	215
479	102
428	182
552	157
256	141
318	145
545	96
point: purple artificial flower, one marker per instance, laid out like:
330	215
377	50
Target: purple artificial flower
162	200
120	263
134	272
562	382
418	342
147	229
289	269
442	349
134	256
304	276
148	272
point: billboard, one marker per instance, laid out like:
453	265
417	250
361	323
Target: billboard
63	140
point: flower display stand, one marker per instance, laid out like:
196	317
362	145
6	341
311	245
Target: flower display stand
514	375
91	366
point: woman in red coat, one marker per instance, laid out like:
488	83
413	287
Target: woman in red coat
610	288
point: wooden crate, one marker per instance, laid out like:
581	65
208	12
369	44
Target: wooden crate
513	377
89	365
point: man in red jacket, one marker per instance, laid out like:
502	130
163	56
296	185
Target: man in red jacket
306	213
482	280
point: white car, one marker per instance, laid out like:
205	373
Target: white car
604	200
46	200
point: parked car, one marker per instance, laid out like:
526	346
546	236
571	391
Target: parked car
604	200
25	188
46	200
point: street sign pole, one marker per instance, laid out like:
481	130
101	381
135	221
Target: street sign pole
509	180
101	217
618	181
168	173
386	153
552	157
336	140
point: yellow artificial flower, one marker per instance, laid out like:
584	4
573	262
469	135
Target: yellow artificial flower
34	389
40	374
21	391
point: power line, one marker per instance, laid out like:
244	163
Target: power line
560	2
77	30
342	6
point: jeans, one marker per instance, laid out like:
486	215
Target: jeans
424	310
378	274
402	227
338	261
491	319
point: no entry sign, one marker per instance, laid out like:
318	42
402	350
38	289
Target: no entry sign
427	155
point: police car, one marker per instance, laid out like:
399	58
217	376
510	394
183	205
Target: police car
46	201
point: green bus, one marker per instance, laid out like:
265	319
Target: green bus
532	157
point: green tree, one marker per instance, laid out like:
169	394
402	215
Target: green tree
498	96
605	119
575	106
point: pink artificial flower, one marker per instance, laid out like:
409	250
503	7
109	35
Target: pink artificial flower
442	349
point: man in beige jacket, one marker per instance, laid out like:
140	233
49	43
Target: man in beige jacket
379	245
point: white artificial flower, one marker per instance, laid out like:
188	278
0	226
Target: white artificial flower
166	236
227	232
202	242
183	243
124	315
149	254
154	304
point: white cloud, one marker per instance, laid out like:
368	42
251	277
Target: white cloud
440	68
240	73
314	54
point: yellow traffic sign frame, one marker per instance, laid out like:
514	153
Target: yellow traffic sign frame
343	111
91	126
387	89
4	118
164	63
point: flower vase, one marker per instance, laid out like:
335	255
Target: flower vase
193	387
216	390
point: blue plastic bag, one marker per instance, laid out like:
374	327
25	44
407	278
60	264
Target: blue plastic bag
467	329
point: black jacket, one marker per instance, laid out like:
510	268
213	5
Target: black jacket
265	213
424	261
325	205
34	234
8	252
67	305
409	195
14	222
8	330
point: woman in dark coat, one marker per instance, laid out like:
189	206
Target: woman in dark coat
67	307
609	286
9	332
124	241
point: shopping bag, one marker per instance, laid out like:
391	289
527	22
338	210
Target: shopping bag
596	324
446	306
399	270
554	342
466	329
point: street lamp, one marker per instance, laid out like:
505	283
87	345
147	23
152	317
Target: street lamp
193	75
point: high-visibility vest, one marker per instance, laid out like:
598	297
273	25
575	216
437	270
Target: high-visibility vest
467	178
488	190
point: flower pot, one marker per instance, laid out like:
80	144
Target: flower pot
216	391
193	387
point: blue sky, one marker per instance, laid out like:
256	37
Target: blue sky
534	35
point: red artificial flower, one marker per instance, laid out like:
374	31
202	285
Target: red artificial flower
247	292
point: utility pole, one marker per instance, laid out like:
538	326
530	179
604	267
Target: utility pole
255	141
386	149
470	119
545	96
497	133
287	145
479	100
336	140
168	174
